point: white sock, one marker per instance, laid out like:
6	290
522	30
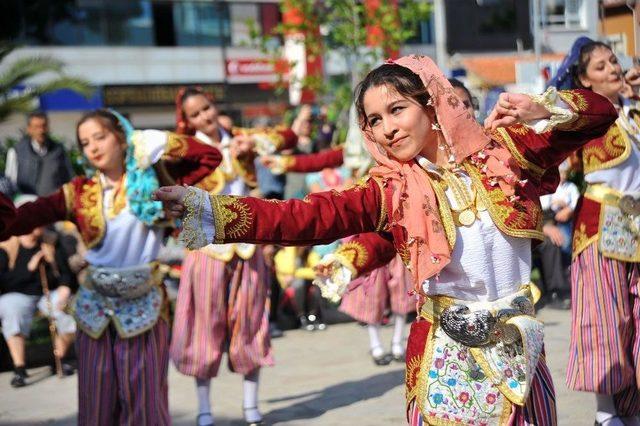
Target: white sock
250	401
606	409
374	340
204	406
397	341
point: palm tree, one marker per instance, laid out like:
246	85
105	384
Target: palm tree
23	69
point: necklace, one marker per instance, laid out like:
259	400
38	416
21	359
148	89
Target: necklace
466	198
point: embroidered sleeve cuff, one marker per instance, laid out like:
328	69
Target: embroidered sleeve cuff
561	113
198	227
333	287
282	164
149	146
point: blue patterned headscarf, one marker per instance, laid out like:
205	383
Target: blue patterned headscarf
141	183
563	80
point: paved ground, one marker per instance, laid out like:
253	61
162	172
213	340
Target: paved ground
321	378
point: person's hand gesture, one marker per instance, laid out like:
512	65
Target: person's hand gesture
35	261
513	108
269	161
172	198
242	145
554	234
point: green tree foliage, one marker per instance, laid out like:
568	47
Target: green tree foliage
20	70
342	26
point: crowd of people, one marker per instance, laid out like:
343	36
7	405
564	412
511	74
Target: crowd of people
442	218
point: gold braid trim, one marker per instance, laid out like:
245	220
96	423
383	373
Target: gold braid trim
69	192
383	217
446	217
522	162
581	241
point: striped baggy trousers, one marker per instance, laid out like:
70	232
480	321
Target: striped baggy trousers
124	380
605	330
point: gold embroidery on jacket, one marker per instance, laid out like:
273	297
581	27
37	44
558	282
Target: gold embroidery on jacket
613	149
232	217
90	210
575	100
177	146
507	217
505	137
69	192
581	240
352	255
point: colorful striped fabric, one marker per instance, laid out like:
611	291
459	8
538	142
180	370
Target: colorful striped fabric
221	305
605	334
385	287
123	380
540	409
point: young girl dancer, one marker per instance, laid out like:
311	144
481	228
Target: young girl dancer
120	309
461	206
605	338
223	302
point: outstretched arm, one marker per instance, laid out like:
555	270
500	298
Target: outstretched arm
318	219
555	125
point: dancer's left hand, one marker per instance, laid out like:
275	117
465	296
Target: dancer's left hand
513	108
172	198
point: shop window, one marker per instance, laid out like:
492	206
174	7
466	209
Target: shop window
77	22
201	23
563	14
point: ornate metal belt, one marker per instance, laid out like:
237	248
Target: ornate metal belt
125	283
482	327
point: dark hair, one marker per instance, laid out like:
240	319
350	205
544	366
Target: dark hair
401	79
457	83
190	91
36	114
107	119
579	69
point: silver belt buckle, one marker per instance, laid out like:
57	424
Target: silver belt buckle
122	285
481	328
629	205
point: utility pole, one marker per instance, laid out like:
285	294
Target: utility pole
440	33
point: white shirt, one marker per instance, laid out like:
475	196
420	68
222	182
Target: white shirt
127	241
486	264
567	194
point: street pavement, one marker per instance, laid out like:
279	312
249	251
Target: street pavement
320	378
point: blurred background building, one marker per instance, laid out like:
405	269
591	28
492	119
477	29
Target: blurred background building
137	52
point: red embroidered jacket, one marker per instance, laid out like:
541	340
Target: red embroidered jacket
604	152
186	161
327	216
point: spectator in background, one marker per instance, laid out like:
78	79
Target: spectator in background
38	165
21	292
553	255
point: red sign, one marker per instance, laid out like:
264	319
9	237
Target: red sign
249	67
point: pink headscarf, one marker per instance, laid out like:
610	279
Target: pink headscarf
414	203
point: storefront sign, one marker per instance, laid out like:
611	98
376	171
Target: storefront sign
152	94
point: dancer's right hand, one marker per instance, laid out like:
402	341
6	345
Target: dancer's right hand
172	198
